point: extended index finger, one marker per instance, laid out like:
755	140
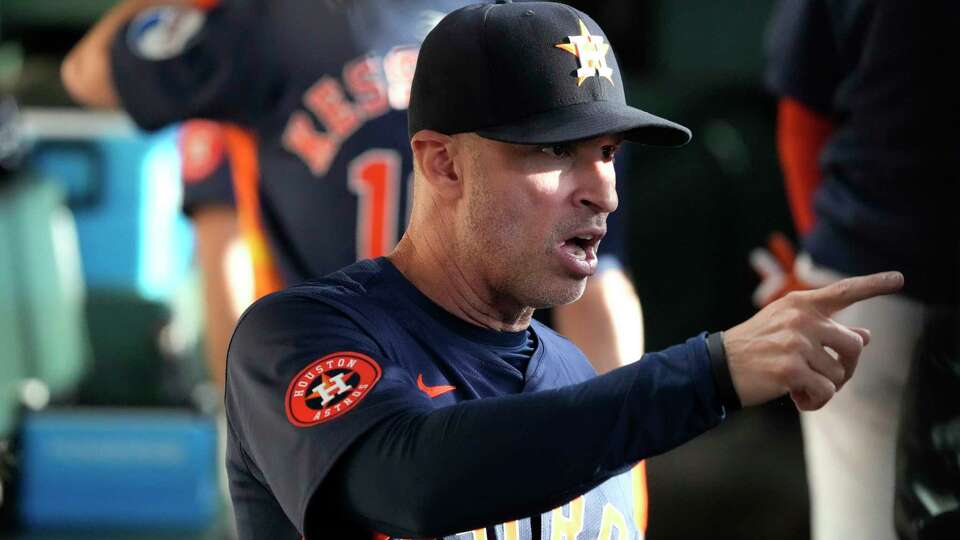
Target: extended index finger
845	292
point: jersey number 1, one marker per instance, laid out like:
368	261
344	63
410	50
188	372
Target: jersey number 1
374	176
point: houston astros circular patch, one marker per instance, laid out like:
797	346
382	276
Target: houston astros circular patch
329	387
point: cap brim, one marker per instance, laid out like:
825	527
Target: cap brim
587	120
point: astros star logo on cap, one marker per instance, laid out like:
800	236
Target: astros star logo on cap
591	52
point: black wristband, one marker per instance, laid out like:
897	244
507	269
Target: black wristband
721	373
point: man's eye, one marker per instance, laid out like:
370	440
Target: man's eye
556	150
609	152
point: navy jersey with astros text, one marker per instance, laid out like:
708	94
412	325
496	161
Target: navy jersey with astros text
315	367
323	86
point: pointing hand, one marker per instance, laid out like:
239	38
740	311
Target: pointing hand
784	347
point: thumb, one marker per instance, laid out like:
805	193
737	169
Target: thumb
864	333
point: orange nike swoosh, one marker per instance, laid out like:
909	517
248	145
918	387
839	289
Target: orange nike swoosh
434	391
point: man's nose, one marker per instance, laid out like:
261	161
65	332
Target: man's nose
597	187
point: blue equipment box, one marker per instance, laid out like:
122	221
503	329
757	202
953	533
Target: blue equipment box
119	468
124	188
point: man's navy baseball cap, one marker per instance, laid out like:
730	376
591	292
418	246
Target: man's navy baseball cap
527	73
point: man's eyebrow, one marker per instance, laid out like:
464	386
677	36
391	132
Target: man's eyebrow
601	140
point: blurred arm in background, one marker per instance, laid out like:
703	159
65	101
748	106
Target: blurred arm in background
227	289
86	71
166	61
606	323
224	261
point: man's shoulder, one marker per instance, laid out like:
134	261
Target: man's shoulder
359	279
335	313
346	294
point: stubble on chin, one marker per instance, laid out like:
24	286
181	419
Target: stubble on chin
542	283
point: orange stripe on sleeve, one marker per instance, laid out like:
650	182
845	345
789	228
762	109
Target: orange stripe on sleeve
641	502
242	148
206	5
801	134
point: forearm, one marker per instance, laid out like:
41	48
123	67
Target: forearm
606	322
86	71
407	476
227	281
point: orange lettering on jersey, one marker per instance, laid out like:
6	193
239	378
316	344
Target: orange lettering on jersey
374	176
374	90
314	148
398	66
612	518
567	527
326	99
365	83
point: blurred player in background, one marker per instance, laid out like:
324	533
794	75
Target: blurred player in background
321	166
871	167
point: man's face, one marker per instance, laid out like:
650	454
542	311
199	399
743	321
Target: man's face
534	215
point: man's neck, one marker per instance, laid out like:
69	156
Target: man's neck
460	291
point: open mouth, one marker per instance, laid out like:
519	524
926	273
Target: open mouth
583	245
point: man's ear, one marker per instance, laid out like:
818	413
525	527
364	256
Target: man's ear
434	155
